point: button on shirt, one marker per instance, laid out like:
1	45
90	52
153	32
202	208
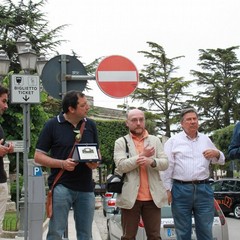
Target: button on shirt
186	160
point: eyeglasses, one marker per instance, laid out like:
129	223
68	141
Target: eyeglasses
135	120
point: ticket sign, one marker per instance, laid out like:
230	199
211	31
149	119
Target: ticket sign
25	89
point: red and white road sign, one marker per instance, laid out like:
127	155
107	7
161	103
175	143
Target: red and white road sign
117	76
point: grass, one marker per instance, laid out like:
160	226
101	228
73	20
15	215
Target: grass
10	221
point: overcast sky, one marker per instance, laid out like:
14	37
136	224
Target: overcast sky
122	27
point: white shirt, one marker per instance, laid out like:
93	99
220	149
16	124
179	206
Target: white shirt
186	160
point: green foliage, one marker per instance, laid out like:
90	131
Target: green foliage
109	131
219	84
10	221
159	87
28	17
13	189
221	139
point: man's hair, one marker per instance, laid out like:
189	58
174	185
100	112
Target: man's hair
187	110
3	90
71	100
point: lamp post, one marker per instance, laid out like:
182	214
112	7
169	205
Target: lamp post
5	62
28	61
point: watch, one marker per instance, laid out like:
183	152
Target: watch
154	163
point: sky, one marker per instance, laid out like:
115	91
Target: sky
101	28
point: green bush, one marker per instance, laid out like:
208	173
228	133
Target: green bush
14	189
10	221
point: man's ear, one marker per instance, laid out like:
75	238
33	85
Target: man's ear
71	109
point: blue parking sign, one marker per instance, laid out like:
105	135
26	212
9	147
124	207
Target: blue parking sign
37	171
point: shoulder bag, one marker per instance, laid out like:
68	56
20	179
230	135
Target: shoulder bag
115	181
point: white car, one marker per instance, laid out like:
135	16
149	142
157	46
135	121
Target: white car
108	206
220	228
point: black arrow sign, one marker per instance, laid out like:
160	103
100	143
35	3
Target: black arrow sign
26	98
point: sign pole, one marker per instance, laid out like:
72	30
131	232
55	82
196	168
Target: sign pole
25	89
26	134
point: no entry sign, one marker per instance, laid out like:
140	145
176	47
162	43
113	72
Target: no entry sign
117	76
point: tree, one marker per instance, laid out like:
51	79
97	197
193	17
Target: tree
219	82
222	138
26	18
162	91
14	20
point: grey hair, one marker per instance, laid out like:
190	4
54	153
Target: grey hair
187	110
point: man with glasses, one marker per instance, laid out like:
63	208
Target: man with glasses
143	193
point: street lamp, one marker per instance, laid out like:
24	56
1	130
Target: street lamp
21	42
27	58
5	62
41	61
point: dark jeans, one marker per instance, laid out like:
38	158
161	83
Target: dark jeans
151	216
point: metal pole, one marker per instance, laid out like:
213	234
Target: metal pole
26	134
17	188
64	90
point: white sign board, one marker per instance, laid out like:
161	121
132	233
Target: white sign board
18	145
25	89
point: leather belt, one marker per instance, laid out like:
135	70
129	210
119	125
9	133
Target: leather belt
206	181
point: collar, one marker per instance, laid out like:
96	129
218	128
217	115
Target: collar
145	135
61	118
189	138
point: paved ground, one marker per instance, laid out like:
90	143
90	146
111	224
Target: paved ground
101	223
99	227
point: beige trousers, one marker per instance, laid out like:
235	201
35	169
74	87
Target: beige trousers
3	202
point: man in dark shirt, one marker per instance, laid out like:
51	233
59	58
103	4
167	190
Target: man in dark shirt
75	187
234	147
5	148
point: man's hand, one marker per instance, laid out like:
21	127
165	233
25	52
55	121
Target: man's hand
6	148
169	196
211	153
147	151
69	164
92	165
145	161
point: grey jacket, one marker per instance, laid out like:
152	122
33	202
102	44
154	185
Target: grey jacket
132	179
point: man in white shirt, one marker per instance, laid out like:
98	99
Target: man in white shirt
187	178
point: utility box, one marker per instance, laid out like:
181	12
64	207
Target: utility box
36	201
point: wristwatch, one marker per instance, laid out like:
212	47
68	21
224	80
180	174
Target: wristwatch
153	164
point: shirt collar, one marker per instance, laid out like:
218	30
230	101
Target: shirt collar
189	138
61	118
145	135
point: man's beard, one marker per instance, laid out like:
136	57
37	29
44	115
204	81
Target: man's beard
137	131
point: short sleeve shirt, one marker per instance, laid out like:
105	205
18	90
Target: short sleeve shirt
57	139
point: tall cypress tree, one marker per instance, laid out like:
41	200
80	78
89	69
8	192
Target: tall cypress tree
161	88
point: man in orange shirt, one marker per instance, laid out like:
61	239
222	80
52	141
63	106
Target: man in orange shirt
143	193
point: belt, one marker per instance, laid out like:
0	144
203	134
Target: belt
192	182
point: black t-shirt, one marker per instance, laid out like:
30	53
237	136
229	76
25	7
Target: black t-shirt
3	175
57	138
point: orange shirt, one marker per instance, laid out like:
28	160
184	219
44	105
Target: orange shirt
143	192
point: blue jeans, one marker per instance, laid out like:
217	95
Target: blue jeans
196	199
83	204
